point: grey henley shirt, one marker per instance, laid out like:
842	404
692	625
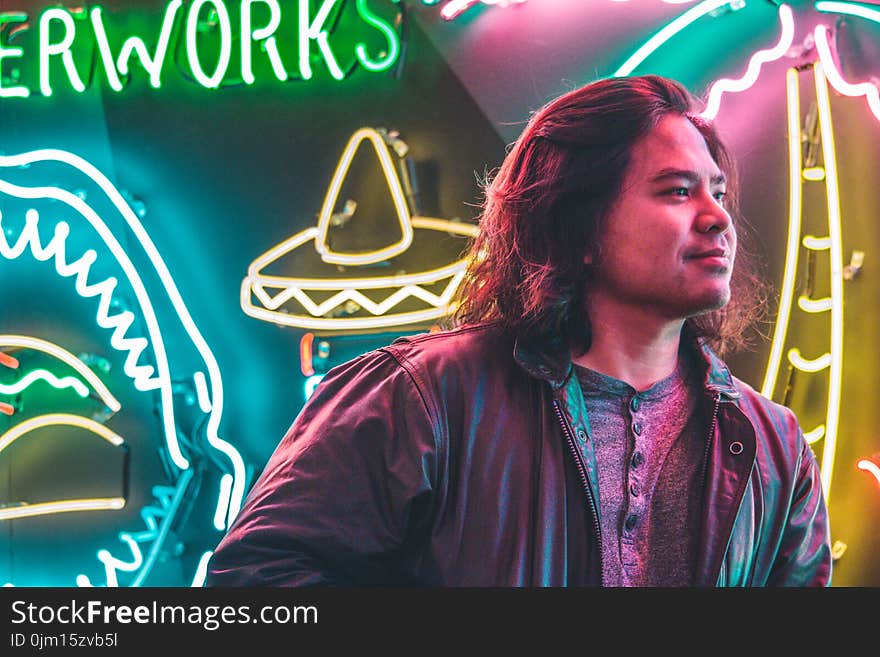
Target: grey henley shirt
649	450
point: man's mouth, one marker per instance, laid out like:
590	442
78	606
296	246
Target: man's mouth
716	258
709	253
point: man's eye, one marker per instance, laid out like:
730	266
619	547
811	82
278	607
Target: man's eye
679	191
719	196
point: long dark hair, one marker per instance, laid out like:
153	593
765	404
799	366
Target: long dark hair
544	210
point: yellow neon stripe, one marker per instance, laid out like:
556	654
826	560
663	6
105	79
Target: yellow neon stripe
28	342
365	283
456	227
815	434
397	195
871	467
809	305
786	294
56	419
817	243
835	232
811	365
814	174
65	506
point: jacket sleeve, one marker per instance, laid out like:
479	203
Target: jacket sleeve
804	556
348	485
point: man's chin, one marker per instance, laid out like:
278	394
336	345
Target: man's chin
709	304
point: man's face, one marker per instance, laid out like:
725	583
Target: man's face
668	244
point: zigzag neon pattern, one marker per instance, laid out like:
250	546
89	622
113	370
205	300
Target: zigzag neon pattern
157	519
236	491
761	57
55	249
368	304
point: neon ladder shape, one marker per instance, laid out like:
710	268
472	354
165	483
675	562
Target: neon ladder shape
832	360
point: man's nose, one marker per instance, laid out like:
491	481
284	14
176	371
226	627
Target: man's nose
713	217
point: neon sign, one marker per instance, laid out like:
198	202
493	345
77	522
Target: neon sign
831	360
866	89
26	510
82	385
294	300
50	215
455	8
761	57
302	35
825	72
870	467
670	30
36	344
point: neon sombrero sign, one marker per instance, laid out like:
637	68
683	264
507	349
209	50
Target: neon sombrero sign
362	301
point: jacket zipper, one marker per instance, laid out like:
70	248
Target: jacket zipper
720	569
583	473
709	439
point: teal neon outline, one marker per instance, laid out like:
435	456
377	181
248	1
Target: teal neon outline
666	33
871	13
54	249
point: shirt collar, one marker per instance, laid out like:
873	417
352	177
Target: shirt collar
549	358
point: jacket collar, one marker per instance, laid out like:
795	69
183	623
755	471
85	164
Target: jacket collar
549	359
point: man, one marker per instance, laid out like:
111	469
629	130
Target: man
576	429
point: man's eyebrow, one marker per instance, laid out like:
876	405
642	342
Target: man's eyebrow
691	176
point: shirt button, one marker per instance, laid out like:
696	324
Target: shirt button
634	404
634	489
582	435
637	428
630	522
637	459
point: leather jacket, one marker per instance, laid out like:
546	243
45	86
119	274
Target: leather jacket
448	459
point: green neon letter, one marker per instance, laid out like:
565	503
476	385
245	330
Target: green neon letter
48	49
9	53
192	24
153	65
314	31
248	34
389	34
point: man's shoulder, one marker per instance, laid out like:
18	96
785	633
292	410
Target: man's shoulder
466	343
453	354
